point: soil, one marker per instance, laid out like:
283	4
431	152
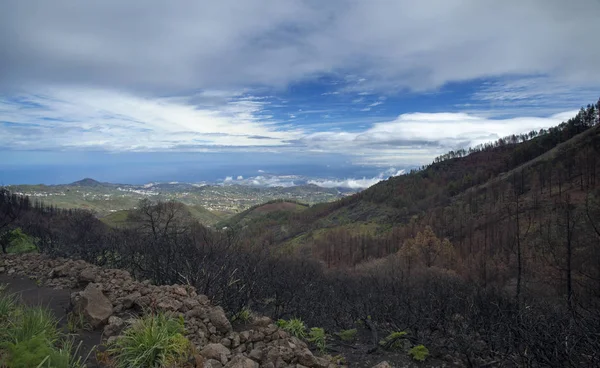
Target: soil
58	301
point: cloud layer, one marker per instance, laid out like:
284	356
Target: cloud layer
154	46
155	75
269	180
103	120
106	120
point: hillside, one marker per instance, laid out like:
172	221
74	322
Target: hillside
272	209
121	218
477	181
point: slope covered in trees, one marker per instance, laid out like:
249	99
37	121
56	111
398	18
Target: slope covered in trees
492	258
541	164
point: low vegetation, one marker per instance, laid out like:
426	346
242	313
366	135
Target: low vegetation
419	353
317	336
294	326
348	335
154	340
395	340
30	338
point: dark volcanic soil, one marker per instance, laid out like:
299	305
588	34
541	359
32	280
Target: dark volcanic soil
58	301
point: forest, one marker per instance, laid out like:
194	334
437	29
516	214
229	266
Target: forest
491	253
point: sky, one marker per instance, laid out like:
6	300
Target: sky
340	92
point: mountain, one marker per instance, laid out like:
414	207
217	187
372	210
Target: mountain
486	201
87	182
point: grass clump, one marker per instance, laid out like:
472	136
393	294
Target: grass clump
154	340
317	336
76	322
419	353
33	322
30	338
395	340
8	306
243	316
294	326
348	335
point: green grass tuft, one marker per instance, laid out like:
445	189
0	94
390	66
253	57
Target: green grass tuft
348	335
419	353
151	341
294	326
31	323
317	336
395	340
8	307
244	316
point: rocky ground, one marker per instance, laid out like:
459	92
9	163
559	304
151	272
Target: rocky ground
107	298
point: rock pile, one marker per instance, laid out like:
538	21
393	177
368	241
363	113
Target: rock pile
108	296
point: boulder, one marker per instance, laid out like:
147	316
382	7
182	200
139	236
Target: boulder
256	354
244	336
94	305
87	275
114	326
219	320
383	364
240	361
169	304
215	351
130	299
180	290
262	322
306	357
212	363
190	303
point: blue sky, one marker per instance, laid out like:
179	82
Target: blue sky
339	90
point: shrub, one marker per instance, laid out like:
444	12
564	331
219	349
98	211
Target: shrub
37	352
395	340
294	326
419	353
151	341
34	352
317	337
19	242
348	335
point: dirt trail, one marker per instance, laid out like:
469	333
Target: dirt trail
58	301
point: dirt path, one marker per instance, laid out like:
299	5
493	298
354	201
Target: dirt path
58	301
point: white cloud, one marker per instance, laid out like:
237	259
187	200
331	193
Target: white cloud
75	118
105	119
154	45
287	181
356	183
419	137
